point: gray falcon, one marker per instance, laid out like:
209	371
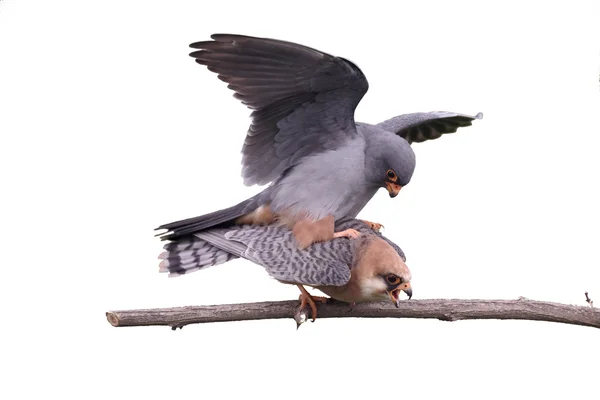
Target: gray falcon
321	165
369	268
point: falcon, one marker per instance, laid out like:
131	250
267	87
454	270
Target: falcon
320	164
369	268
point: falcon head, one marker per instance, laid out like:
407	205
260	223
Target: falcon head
390	162
380	273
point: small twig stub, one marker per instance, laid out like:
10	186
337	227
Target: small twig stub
588	300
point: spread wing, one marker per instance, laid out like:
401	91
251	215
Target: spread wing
419	127
303	99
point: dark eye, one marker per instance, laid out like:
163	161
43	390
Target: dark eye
391	174
392	279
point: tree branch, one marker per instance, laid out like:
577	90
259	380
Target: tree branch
442	309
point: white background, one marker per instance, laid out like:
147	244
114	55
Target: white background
110	129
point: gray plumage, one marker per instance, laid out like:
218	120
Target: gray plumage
273	247
303	99
303	139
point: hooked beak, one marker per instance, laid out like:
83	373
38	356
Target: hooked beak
393	188
395	294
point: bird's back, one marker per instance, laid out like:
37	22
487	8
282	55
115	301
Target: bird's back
329	183
272	247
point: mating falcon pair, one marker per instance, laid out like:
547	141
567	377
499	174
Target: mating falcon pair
322	168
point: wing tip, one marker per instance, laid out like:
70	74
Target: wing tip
479	115
216	37
224	37
218	41
199	45
202	57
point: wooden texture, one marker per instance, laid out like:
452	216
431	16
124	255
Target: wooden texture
442	309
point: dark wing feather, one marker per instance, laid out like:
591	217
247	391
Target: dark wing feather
303	99
419	127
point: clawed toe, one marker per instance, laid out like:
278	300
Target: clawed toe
376	226
349	233
306	299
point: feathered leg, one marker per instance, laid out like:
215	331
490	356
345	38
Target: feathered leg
305	231
261	216
308	232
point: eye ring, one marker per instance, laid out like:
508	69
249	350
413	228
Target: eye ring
392	279
391	174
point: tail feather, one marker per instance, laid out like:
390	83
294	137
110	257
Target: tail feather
178	229
218	238
203	260
191	254
200	250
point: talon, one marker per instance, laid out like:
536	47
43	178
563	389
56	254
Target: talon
376	226
349	233
300	317
305	298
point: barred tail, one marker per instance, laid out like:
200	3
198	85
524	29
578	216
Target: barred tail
191	254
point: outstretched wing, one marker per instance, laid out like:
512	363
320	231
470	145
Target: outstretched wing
303	99
419	127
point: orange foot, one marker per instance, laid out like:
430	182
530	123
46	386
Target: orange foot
373	225
349	233
305	298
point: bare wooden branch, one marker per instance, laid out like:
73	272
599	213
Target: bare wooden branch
442	309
